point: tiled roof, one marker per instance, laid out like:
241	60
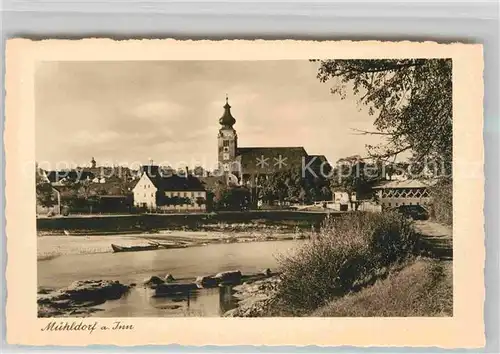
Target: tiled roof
267	159
181	183
174	182
409	183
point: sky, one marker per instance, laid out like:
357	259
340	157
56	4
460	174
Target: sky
129	113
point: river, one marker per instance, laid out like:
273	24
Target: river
186	263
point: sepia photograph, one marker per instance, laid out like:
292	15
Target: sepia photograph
236	192
244	188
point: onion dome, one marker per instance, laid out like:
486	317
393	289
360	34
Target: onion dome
227	120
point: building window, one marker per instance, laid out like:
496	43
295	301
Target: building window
185	194
225	143
418	203
396	204
151	194
144	195
388	204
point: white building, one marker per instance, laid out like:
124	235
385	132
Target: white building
145	192
171	193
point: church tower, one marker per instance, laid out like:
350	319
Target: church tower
227	140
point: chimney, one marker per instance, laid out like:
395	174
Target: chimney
187	172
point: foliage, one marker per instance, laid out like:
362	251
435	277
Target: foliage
353	175
442	201
162	199
45	195
411	99
200	201
348	252
291	186
233	198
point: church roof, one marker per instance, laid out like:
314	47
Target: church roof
227	120
270	159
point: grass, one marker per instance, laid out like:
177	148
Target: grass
422	288
350	253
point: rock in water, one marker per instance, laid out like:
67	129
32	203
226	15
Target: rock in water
232	277
96	290
169	278
206	281
78	297
171	289
154	280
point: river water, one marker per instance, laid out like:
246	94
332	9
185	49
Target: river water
186	263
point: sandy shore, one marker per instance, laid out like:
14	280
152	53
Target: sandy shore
49	247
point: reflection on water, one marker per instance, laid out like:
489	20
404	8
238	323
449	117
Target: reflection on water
140	302
134	267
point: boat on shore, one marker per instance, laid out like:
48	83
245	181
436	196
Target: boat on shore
150	247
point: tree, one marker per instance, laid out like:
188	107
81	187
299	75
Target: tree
291	186
235	198
200	201
411	100
45	195
351	176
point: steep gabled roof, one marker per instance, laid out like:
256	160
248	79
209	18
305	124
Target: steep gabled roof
181	183
172	182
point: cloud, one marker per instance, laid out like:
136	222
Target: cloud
170	110
154	110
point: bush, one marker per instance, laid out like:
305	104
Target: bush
349	252
442	202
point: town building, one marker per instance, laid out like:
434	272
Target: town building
155	191
342	201
246	165
68	176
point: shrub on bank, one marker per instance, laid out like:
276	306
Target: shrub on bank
442	202
348	253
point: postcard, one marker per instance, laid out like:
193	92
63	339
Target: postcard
244	193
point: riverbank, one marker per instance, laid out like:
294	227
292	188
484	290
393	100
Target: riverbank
417	286
422	288
50	246
137	223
